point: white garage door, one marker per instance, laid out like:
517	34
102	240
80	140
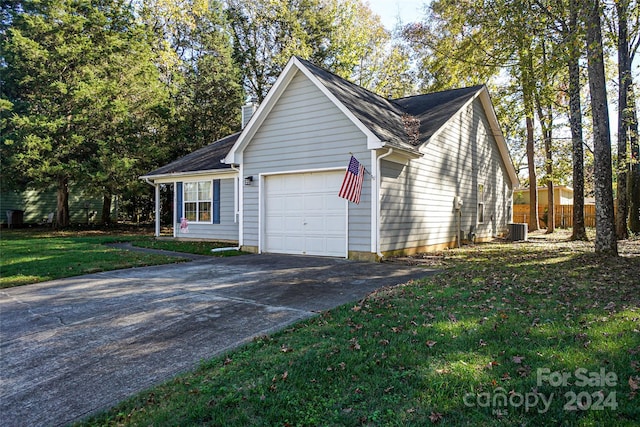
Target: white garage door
304	215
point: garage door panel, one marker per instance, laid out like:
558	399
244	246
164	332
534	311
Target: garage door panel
304	215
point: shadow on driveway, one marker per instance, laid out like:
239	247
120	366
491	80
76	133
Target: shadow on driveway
76	346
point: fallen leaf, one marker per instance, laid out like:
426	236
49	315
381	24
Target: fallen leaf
435	417
285	349
482	343
610	306
634	383
430	343
524	371
452	317
517	359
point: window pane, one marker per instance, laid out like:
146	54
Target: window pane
204	190
480	212
190	211
190	191
205	211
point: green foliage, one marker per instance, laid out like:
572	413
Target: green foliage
343	36
84	91
194	54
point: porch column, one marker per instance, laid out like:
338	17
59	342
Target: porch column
157	187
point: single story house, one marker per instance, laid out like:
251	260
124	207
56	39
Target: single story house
435	164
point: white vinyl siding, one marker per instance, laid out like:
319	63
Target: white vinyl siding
305	131
417	199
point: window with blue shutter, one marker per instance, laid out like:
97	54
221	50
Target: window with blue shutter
199	201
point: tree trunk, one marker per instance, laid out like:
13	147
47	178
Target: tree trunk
534	222
62	196
526	68
106	209
551	212
634	175
606	241
624	83
546	125
575	120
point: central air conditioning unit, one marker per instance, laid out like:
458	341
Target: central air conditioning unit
517	232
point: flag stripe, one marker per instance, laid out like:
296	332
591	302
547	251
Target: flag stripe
351	188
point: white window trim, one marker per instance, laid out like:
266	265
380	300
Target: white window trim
198	201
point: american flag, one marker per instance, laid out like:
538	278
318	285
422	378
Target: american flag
352	183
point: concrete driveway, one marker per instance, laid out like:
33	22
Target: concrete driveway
73	347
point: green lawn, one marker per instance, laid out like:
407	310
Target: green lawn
28	256
538	333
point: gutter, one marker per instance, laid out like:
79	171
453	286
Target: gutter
236	194
378	201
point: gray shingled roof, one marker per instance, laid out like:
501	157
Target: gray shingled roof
433	110
385	118
204	159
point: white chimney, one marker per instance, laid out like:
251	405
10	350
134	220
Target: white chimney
247	111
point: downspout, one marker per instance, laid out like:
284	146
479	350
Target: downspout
157	205
379	202
237	203
236	194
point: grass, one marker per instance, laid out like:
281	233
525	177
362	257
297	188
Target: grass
29	256
486	342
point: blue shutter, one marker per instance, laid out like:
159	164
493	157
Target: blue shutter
216	201
179	201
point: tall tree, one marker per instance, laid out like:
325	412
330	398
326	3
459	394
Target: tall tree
63	70
606	241
54	53
627	38
572	39
624	85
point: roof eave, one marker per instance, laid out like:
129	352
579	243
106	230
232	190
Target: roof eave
409	152
163	176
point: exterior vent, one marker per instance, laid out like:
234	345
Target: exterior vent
247	111
517	232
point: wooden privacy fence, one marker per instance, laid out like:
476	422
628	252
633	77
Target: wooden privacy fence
564	215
